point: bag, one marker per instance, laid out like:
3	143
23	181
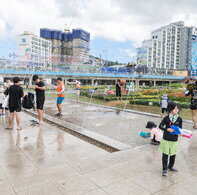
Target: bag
28	101
6	102
6	92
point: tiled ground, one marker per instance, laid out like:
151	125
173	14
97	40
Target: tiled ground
45	160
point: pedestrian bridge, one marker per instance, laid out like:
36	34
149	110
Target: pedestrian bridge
27	74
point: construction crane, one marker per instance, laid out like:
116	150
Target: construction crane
67	29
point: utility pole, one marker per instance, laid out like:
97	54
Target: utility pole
106	56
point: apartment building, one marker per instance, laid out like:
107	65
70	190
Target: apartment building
35	50
163	50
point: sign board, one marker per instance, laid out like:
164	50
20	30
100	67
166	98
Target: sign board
194	58
141	56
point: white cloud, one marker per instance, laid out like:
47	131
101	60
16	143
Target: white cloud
112	19
2	28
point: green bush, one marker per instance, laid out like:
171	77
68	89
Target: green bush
177	85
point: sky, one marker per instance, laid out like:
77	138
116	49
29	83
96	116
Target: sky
117	27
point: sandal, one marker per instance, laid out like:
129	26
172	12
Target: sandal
194	127
8	128
19	128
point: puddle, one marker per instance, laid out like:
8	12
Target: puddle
74	106
91	109
92	117
99	124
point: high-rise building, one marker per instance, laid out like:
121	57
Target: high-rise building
163	50
34	50
73	44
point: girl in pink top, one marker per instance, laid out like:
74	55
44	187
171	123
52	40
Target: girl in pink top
156	133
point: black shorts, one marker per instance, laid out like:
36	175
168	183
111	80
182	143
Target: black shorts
193	107
14	109
163	110
40	104
118	93
1	107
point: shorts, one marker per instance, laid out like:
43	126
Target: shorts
168	147
118	93
40	104
1	108
78	92
60	100
193	107
163	110
14	109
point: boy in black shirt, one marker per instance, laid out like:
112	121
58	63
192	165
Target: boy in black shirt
40	97
15	93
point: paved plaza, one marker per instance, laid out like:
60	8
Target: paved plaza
107	121
46	160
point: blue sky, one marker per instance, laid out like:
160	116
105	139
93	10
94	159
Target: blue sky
115	50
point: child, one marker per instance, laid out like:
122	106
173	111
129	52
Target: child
78	88
2	98
164	104
156	133
169	143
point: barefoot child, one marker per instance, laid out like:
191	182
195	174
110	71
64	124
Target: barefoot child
169	143
156	133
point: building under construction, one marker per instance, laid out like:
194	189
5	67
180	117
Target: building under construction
68	46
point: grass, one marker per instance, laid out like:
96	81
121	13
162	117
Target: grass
82	98
185	113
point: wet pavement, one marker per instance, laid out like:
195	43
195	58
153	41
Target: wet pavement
46	160
112	123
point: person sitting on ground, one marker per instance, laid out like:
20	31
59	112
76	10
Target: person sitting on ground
156	133
2	99
15	93
40	97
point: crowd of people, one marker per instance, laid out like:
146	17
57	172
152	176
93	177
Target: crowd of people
12	94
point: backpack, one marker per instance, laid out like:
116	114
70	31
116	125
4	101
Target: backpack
28	101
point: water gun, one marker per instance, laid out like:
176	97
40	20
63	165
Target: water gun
182	132
186	92
144	135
